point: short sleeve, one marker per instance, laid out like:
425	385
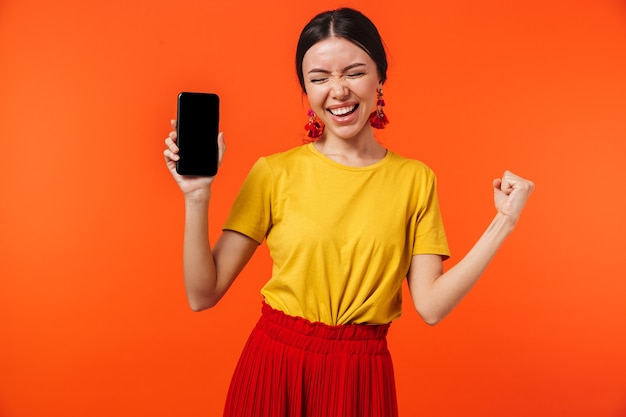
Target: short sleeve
251	212
430	235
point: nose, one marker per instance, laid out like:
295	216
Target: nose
339	89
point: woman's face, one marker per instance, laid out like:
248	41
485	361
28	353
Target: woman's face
341	81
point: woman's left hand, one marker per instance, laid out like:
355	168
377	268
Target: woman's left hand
510	194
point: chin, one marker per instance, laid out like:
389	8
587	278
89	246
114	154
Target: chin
349	132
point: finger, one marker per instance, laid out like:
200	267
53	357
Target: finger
173	123
515	184
507	182
170	156
497	184
221	144
171	145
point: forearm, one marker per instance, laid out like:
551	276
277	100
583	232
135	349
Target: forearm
198	264
447	290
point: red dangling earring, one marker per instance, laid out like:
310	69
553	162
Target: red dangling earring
378	118
313	128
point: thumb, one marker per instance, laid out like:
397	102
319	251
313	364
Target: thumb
497	184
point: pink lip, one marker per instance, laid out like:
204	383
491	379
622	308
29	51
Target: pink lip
339	106
341	120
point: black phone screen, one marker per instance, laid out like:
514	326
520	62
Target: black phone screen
197	127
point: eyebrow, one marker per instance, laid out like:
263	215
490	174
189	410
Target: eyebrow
348	68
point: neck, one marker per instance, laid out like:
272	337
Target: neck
358	151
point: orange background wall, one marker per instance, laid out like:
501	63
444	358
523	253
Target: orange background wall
93	317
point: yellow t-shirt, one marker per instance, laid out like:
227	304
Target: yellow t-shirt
341	238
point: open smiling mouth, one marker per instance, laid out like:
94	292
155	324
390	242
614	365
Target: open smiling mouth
343	111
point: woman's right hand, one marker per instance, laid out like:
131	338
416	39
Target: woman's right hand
191	186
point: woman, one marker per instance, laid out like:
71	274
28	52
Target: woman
345	221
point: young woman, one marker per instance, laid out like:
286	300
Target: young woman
346	221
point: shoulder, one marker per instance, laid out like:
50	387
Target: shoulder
295	159
270	168
410	166
286	157
278	159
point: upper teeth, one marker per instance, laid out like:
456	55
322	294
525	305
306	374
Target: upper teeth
341	111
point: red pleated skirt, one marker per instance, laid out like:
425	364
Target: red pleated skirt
291	367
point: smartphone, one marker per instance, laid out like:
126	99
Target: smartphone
197	126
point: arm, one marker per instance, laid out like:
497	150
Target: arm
435	293
207	273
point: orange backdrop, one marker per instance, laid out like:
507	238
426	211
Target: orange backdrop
93	317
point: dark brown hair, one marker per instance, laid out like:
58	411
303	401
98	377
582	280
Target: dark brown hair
344	23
